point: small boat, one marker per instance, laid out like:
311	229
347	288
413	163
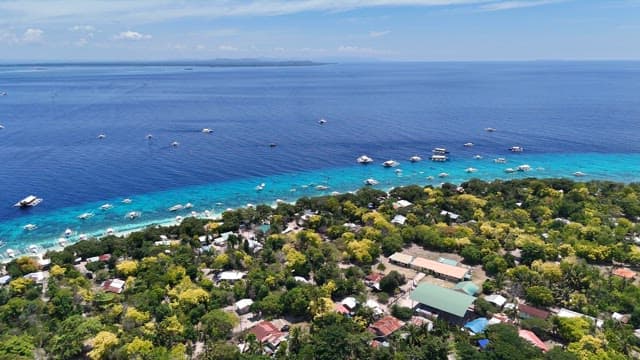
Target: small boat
260	187
390	163
471	170
579	174
477	157
207	131
62	242
68	232
110	231
29	201
102	136
272	145
415	158
188	205
516	149
1	126
371	182
524	167
106	207
322	121
33	249
85	216
176	207
149	136
127	201
443	175
500	161
249	205
440	151
489	129
509	170
175	144
429	177
194	214
11	253
398	171
469	144
364	159
439	158
322	187
207	213
132	215
82	237
30	227
3	93
178	218
335	193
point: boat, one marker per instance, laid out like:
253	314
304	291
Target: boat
322	121
272	145
33	249
579	174
516	149
85	216
82	237
469	144
110	231
3	93
106	207
322	187
440	151
371	182
127	201
439	158
62	242
11	253
30	227
1	126
398	171
194	214
149	136
415	158
489	129
429	177
207	130
471	170
102	136
68	232
524	167
178	218
390	163
29	201
500	161
477	157
260	187
509	170
176	207
364	159
175	144
442	175
132	215
188	205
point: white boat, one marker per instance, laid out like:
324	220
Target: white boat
149	136
127	201
30	227
260	187
524	167
29	201
102	136
390	163
371	182
364	159
106	207
509	170
85	216
207	213
322	121
516	149
489	129
176	207
175	144
194	214
439	158
110	231
471	170
579	174
322	187
179	219
82	237
132	215
469	144
398	171
1	126
62	242
11	253
442	175
33	249
188	205
477	157
3	93
415	158
440	151
335	193
500	161
68	232
207	130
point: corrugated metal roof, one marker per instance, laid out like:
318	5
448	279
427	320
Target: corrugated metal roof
443	299
401	258
455	272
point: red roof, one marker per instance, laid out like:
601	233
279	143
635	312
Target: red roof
532	338
339	308
114	286
263	330
533	312
386	326
104	257
624	273
374	277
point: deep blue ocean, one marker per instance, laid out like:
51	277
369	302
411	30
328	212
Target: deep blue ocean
568	116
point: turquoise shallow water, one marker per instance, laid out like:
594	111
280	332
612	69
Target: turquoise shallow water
216	197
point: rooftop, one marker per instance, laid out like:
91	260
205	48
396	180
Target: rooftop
401	258
455	272
386	326
532	311
533	339
443	299
624	273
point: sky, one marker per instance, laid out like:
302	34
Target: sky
392	30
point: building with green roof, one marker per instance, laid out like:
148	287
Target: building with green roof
467	287
449	304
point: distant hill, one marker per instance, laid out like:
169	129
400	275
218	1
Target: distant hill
184	63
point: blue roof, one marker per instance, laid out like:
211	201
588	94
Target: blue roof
478	325
483	343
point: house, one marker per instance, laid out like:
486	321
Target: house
230	276
450	215
477	326
222	239
439	269
373	305
385	326
624	273
340	309
467	287
373	280
401	204
36	277
496	299
114	285
103	258
5	279
268	334
448	261
436	300
533	339
623	318
399	219
566	313
401	259
350	303
243	306
420	321
527	312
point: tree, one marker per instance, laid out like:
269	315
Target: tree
401	312
539	295
139	349
218	324
572	329
68	340
390	282
220	351
103	342
12	346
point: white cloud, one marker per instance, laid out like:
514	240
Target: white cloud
32	35
516	4
357	50
227	48
83	28
132	35
375	34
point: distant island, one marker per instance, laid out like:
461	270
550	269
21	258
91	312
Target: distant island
185	63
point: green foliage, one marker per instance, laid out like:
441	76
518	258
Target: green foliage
390	282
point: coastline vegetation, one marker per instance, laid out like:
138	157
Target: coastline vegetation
552	243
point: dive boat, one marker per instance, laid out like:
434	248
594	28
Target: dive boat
364	159
33	249
85	216
110	231
62	242
260	187
579	174
106	207
322	187
11	253
82	237
102	136
439	158
175	144
29	201
500	161
127	201
516	149
322	121
469	144
30	227
68	232
176	207
509	170
132	215
188	205
415	158
371	182
440	151
524	167
477	157
149	136
207	130
390	163
489	129
471	170
443	175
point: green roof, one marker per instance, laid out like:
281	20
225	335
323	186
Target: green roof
468	287
443	299
448	261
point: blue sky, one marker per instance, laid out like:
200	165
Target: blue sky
430	30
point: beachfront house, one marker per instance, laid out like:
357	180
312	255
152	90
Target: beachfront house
437	301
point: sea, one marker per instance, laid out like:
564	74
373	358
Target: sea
568	116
